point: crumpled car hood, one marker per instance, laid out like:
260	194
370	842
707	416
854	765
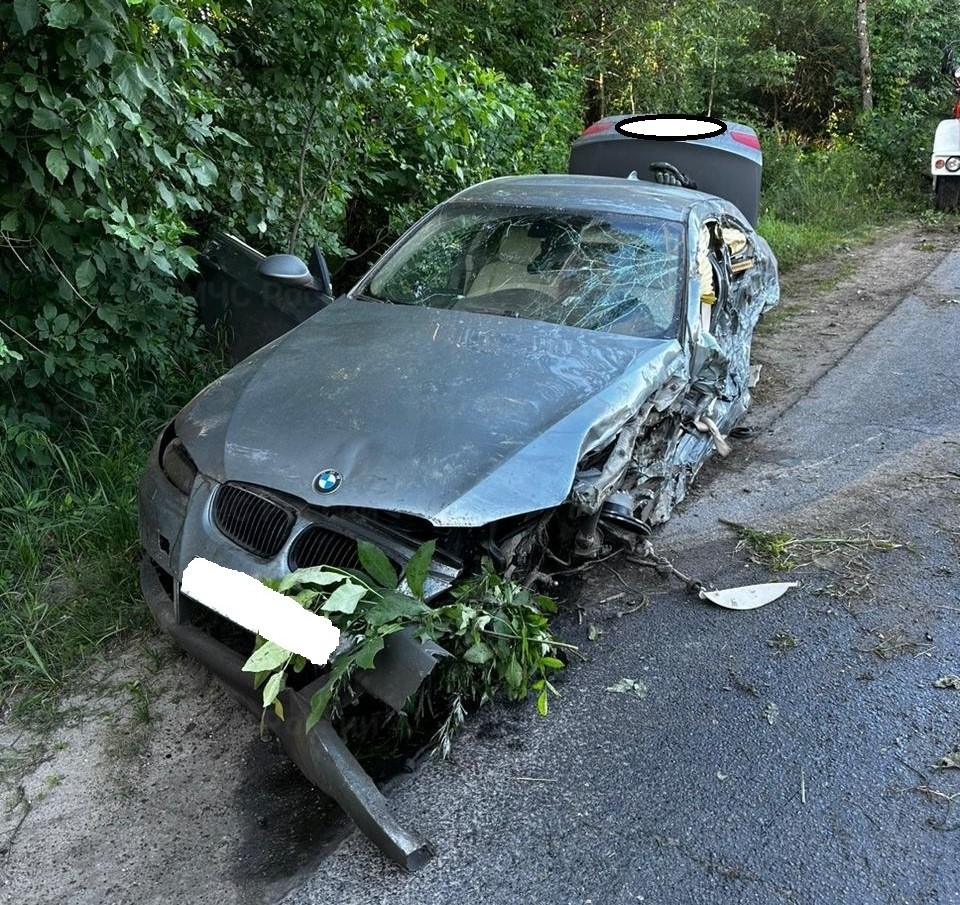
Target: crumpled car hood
456	417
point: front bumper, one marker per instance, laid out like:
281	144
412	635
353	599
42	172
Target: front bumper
321	754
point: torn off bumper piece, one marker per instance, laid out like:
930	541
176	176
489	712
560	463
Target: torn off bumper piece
320	754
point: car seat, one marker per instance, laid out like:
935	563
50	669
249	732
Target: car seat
511	266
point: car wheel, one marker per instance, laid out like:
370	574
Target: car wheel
946	193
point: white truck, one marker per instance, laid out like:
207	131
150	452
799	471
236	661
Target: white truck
945	160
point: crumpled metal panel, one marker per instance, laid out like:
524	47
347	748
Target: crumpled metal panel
400	669
459	418
670	450
726	367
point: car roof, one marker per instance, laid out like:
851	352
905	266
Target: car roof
595	194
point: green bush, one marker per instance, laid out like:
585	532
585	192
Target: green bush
106	121
355	129
832	182
131	131
900	144
818	197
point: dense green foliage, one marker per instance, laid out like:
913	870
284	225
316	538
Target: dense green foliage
107	127
130	131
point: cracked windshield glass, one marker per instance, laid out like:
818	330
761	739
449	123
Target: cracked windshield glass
597	272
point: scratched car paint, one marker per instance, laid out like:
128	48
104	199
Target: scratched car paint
534	373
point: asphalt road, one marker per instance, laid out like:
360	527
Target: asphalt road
782	755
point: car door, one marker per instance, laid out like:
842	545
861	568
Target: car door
232	295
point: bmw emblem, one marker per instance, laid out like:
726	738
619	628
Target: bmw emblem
328	480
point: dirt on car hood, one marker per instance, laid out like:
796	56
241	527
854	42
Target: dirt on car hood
456	417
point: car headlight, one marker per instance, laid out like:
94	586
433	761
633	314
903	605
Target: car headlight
953	164
176	464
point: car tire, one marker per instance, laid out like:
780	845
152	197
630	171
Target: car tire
946	193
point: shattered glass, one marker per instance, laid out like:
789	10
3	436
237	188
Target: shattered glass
737	280
599	272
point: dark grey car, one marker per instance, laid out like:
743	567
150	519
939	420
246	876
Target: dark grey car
533	373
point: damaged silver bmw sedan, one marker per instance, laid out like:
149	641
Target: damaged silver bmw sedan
534	373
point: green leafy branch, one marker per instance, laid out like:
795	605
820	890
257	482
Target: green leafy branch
496	631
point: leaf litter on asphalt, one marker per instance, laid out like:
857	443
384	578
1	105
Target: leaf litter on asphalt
628	686
949	761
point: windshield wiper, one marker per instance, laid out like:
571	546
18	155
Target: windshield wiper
366	297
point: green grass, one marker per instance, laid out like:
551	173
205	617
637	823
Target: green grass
821	199
796	243
67	548
68	543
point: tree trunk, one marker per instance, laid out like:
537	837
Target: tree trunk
866	68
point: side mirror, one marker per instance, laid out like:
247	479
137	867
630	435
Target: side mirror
291	272
287	270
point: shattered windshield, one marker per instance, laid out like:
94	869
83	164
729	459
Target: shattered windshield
596	271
